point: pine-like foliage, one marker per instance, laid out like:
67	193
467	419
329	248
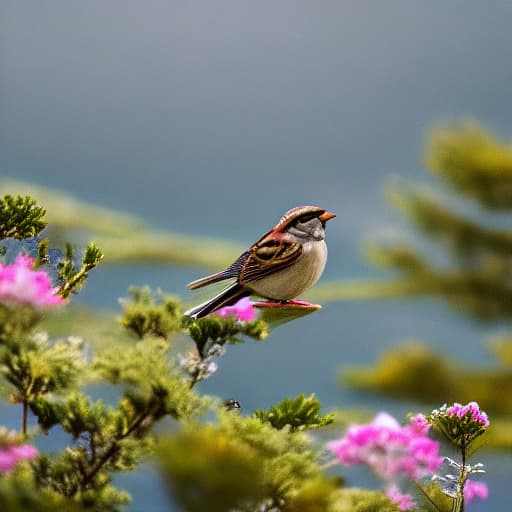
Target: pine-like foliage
299	413
464	257
474	270
244	464
20	217
147	315
211	459
73	272
401	371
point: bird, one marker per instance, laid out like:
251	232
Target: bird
281	265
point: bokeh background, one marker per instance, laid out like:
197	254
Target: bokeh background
213	118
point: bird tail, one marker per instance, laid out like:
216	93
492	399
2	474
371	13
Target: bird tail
226	297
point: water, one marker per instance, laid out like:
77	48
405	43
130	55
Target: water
214	118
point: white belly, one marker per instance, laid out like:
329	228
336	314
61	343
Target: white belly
289	283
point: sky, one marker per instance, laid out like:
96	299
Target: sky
216	117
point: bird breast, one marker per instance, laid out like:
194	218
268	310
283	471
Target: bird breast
290	282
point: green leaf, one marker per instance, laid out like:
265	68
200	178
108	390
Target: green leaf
276	313
297	413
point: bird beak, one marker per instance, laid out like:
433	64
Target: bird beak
327	216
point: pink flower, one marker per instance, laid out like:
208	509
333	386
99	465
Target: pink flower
419	424
474	490
402	501
243	310
388	449
11	455
19	284
470	411
460	424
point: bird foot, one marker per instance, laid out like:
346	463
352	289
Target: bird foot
284	303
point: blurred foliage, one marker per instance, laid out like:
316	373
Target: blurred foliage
44	374
499	434
416	372
97	327
122	237
19	493
436	499
106	438
147	315
208	470
359	500
245	464
39	367
473	161
262	462
465	258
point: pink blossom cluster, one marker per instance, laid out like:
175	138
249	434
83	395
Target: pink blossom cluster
470	412
403	502
474	490
11	455
243	310
19	284
390	450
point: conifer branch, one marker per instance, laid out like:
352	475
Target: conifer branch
20	217
97	463
74	279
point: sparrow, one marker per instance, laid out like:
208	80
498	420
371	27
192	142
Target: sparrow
281	265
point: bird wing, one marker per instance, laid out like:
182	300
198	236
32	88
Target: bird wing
267	256
231	272
226	297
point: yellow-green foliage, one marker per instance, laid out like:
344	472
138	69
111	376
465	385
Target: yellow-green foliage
206	470
149	379
39	367
467	259
471	159
361	500
299	413
499	434
416	372
123	238
203	463
318	496
95	326
107	438
20	217
14	322
19	493
435	495
501	347
147	315
422	206
244	463
407	372
278	315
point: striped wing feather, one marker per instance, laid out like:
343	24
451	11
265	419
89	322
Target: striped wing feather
231	272
268	257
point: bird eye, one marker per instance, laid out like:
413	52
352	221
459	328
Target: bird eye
306	218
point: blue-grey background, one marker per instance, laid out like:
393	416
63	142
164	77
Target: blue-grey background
213	118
